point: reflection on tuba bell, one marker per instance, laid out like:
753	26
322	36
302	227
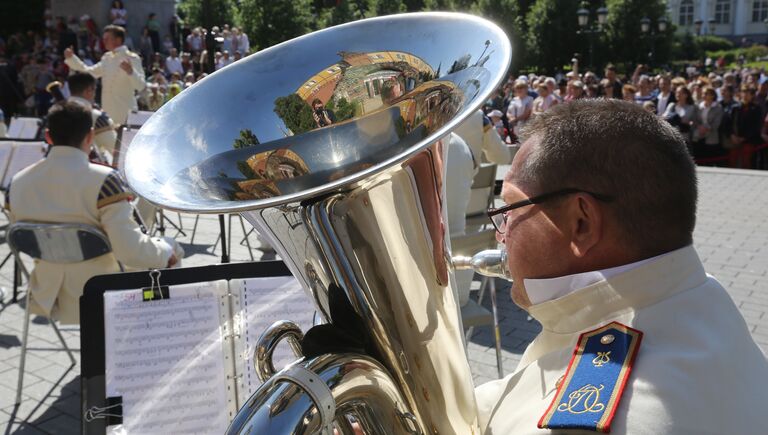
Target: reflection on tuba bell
354	208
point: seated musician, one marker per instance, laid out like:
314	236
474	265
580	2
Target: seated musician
637	338
66	188
82	87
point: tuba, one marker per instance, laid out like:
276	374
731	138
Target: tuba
330	146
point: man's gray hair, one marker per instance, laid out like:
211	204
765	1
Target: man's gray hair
616	148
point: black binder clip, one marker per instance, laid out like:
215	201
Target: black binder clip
155	291
113	412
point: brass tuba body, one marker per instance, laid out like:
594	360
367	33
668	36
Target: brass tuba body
329	144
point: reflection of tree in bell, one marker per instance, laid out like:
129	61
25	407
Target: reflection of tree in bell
295	113
246	139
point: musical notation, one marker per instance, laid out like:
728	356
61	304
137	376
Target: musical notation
164	358
264	301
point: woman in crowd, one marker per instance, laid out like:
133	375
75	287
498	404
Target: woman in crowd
520	109
747	123
706	137
683	114
118	15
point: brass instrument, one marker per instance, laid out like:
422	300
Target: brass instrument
354	208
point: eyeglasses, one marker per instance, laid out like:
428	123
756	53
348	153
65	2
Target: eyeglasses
498	216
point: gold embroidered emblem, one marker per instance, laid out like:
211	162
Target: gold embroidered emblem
601	358
585	399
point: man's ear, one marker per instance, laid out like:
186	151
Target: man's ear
48	137
586	221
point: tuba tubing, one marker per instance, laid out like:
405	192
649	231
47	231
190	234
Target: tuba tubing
354	208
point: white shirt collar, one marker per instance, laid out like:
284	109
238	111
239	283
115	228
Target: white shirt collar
543	290
82	101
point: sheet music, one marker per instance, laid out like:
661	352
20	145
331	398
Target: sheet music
138	118
23	128
23	155
264	301
165	358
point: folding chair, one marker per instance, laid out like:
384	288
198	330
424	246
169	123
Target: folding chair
481	197
473	313
54	243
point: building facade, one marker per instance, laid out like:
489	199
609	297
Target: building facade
732	19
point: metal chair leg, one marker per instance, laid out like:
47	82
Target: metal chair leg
247	242
496	329
194	230
24	338
63	342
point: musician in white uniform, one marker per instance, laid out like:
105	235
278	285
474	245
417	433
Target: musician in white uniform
121	73
66	187
82	87
637	338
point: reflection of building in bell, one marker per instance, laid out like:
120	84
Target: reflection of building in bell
277	165
323	84
256	189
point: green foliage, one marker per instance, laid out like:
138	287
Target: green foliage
194	12
388	7
625	40
551	39
295	113
269	22
342	109
244	169
713	43
751	54
505	14
246	139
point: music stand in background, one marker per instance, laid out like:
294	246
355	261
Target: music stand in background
25	128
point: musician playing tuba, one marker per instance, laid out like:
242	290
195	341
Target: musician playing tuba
637	338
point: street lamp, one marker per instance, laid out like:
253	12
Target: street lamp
711	23
582	15
697	25
647	29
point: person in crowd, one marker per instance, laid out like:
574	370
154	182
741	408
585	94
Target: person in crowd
240	41
544	101
644	88
606	88
636	337
683	114
610	75
195	41
146	49
120	71
237	56
82	89
118	15
226	43
665	96
173	63
189	79
497	121
575	91
747	124
729	104
45	76
10	88
520	108
168	44
706	136
628	92
186	63
94	195
156	97
223	60
153	24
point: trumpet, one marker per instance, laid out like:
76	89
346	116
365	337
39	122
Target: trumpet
354	208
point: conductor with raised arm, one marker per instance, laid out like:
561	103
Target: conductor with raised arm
120	70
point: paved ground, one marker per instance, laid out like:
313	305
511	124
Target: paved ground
731	237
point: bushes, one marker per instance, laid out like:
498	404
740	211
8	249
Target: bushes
755	52
713	43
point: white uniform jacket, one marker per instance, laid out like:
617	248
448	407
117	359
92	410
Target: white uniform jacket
104	134
478	132
66	188
697	370
118	87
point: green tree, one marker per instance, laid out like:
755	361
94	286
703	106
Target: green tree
220	12
295	113
246	139
388	7
626	42
505	14
551	38
269	22
342	109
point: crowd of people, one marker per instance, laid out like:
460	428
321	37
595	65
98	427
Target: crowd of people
723	114
30	61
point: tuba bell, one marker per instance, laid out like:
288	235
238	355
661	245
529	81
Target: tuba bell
330	146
